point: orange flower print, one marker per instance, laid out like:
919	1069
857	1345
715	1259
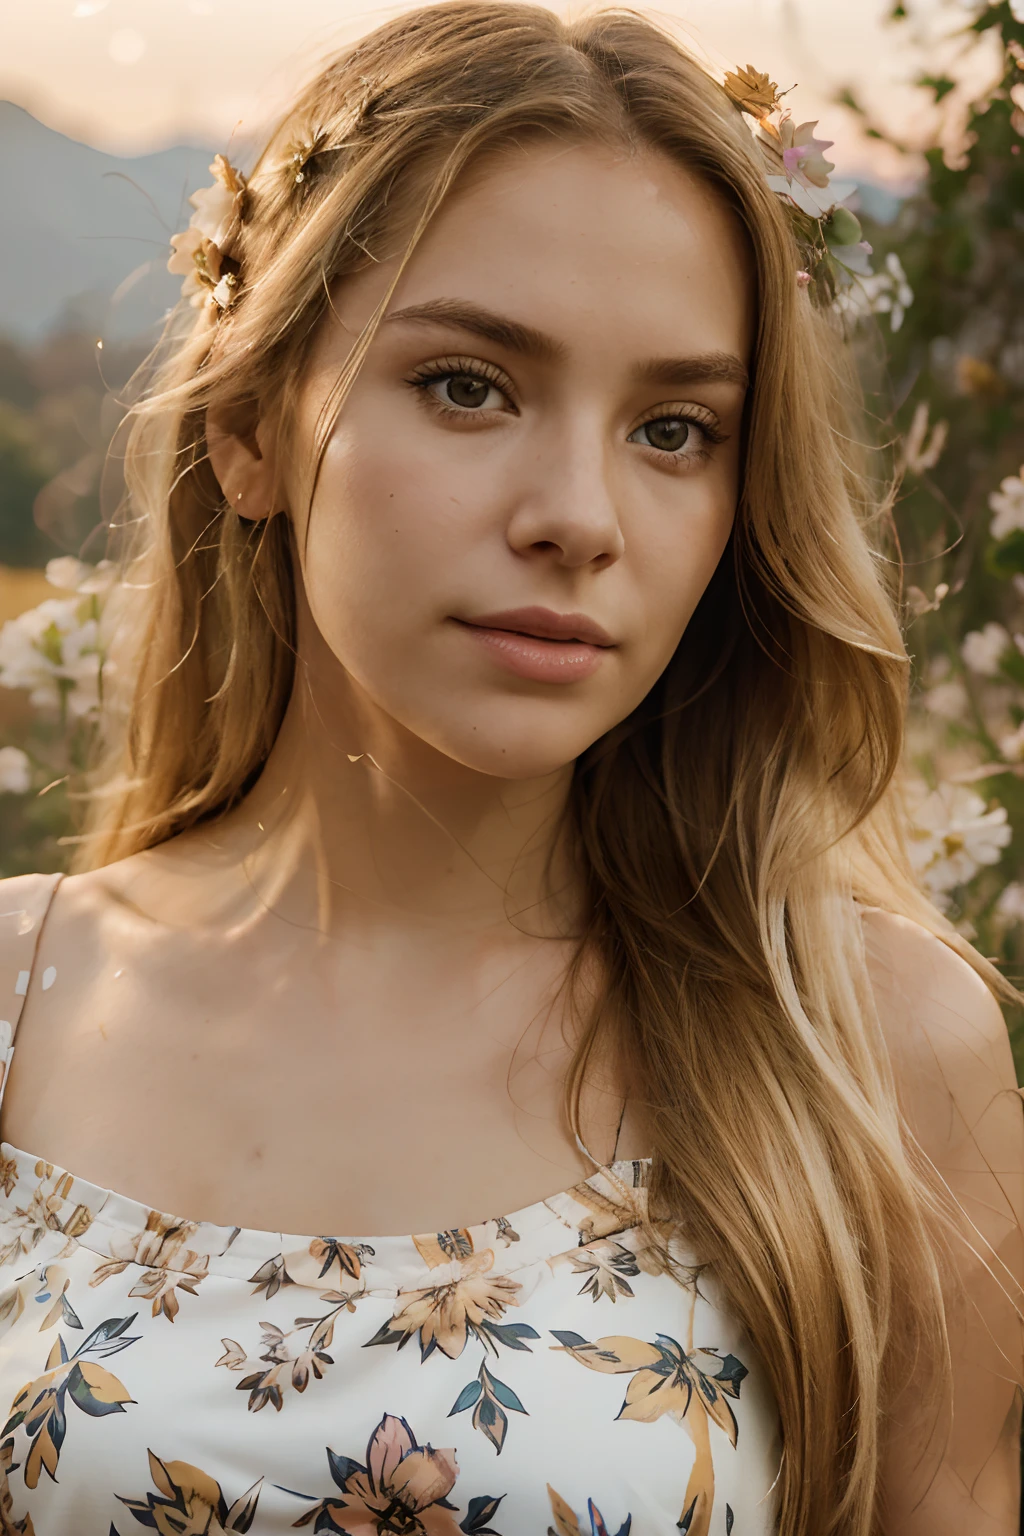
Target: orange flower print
446	1315
8	1174
45	1212
401	1491
606	1265
40	1406
311	1265
691	1386
284	1365
566	1523
169	1265
8	1525
189	1503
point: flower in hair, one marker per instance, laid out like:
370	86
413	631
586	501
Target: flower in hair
201	252
829	237
303	151
752	91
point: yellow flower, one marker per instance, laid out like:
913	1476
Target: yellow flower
752	91
445	1315
190	1503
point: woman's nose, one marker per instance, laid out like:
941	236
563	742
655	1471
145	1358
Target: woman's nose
566	509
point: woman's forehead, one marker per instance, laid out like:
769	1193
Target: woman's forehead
564	239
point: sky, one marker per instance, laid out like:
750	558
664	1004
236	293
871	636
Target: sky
130	76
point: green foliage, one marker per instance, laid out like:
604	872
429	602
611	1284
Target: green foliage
24	470
960	353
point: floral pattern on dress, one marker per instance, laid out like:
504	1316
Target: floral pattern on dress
42	1212
190	1503
470	1303
566	1523
683	1383
41	1405
169	1265
401	1491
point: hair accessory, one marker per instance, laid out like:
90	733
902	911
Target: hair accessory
832	246
200	253
303	151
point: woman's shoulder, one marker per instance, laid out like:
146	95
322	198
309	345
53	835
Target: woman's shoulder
946	1036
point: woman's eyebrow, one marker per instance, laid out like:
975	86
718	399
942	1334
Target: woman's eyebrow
511	334
702	368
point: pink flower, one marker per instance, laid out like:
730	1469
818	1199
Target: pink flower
802	153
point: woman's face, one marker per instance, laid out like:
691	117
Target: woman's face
535	474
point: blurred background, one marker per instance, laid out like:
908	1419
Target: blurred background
110	112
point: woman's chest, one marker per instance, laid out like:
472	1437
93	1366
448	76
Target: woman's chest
189	1379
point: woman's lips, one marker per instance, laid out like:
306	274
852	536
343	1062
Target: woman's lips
541	645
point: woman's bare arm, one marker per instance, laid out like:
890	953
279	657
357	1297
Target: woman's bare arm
955	1077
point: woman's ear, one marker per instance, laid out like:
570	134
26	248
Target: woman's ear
245	469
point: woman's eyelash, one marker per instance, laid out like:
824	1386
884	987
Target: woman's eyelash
452	367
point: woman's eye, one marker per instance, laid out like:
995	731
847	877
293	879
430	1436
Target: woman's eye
465	390
670	433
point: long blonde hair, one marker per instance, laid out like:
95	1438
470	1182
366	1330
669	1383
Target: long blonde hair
728	830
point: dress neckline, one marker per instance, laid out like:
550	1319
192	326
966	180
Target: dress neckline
44	1208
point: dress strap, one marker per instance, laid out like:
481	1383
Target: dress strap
24	903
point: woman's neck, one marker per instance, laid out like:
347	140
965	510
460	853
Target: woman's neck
356	821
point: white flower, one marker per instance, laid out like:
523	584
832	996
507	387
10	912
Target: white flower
952	834
66	572
198	253
921	452
947	700
1012	746
883	293
15	771
1010	902
1008	505
216	206
902	293
817	202
72	575
53	651
982	649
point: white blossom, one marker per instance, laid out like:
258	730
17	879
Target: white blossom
1012	746
73	575
947	700
53	650
15	771
982	649
1010	902
1008	505
883	293
922	450
952	834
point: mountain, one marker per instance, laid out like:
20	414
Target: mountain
85	233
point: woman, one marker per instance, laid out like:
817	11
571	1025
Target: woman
504	806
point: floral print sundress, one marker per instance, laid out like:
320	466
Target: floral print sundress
540	1374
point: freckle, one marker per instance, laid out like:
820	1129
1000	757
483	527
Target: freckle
49	977
102	1029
